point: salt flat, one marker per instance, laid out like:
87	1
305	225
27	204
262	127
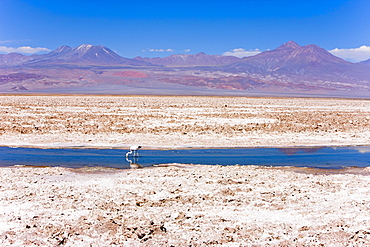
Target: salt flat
181	121
183	205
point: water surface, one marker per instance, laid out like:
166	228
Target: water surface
325	157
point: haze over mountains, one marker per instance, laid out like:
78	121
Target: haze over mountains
288	69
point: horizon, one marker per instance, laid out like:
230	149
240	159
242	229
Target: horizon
251	54
164	28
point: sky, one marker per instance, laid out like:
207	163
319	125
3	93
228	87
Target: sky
162	28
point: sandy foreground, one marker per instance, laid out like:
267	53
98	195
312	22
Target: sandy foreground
177	204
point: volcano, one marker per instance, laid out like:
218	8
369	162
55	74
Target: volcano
84	55
309	63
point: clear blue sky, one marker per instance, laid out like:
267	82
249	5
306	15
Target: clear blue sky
138	28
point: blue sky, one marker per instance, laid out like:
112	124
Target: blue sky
161	28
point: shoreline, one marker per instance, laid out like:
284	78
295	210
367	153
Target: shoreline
186	148
353	170
323	97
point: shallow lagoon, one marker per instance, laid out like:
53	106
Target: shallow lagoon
321	157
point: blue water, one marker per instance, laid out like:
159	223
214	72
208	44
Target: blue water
327	157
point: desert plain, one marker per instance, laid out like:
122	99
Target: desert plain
183	204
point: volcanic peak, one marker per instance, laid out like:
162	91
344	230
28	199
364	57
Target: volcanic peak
63	48
84	54
288	45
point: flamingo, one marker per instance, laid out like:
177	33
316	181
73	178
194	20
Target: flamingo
133	149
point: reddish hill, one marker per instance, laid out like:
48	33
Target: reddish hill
15	77
131	74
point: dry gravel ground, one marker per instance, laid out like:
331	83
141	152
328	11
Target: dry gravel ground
184	206
178	122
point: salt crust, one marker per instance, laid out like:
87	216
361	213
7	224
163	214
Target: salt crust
183	206
156	122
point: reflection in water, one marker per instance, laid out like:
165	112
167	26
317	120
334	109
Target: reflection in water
133	163
363	149
293	151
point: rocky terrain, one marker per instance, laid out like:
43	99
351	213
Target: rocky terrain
178	122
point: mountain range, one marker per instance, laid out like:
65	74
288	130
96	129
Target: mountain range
199	59
290	69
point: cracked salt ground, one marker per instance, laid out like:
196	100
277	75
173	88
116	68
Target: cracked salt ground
178	122
182	206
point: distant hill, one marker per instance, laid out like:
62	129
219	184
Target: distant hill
12	59
199	59
366	62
